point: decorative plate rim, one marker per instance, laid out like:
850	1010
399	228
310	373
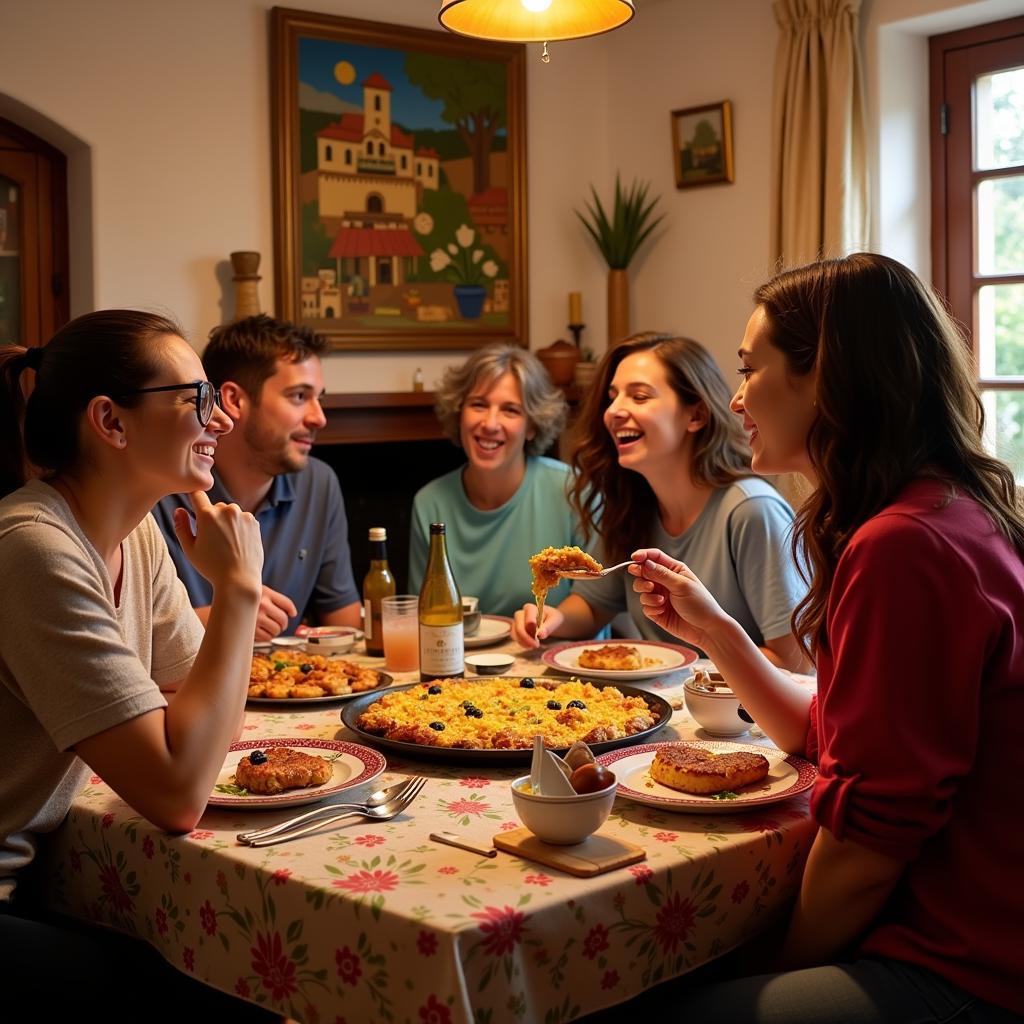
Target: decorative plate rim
373	762
688	654
806	774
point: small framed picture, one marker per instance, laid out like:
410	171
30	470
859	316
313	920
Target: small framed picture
702	144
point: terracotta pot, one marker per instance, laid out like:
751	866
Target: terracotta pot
618	306
559	360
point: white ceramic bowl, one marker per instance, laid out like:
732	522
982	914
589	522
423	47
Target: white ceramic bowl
470	615
291	643
490	664
332	639
562	820
718	710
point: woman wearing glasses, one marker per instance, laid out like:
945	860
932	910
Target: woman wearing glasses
119	416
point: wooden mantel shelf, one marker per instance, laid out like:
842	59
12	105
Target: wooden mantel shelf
379	417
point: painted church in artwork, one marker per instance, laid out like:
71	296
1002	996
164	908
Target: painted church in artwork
369	182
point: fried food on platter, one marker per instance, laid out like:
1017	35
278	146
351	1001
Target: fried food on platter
505	714
696	770
295	675
281	768
546	564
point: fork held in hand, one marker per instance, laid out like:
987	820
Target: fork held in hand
326	810
591	574
384	812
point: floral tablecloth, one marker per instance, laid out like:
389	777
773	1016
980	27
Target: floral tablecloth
375	922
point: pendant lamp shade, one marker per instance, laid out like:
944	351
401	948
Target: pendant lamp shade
534	21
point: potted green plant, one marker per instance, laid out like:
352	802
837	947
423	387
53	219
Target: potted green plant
618	238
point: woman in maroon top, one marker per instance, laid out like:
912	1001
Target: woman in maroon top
911	905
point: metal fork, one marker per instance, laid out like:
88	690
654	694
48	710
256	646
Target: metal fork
384	812
382	796
591	574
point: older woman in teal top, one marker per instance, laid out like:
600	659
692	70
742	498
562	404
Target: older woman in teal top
508	501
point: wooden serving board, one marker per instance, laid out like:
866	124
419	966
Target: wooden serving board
594	856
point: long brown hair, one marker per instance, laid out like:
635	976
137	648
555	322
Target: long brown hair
109	352
896	400
610	500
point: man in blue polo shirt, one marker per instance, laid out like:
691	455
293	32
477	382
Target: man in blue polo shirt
270	380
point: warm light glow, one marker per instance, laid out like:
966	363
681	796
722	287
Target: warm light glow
534	21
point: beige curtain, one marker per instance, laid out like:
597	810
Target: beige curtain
819	150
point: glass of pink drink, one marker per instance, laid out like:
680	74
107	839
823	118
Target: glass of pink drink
400	623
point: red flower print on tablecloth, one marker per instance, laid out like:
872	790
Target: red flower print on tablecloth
739	894
457	807
95	780
222	881
311	1015
368	881
242	988
281	875
148	847
610	979
619	900
208	918
435	1012
666	837
350	966
188	956
539	879
370	840
161	920
426	943
448	869
474	783
275	968
200	833
76	861
107	820
642	873
502	928
114	890
675	921
187	878
595	942
507	826
306	725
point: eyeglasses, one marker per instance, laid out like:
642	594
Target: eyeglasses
207	396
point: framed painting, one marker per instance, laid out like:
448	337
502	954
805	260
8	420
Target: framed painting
399	184
702	145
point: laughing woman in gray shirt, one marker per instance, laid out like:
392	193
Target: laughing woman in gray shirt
661	456
103	666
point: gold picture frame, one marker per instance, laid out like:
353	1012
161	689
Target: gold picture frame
702	145
399	206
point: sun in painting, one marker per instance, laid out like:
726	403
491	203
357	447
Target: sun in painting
344	72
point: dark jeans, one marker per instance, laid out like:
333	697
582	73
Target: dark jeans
863	992
52	964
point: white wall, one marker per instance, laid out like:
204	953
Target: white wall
164	110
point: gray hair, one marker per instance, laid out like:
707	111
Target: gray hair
543	403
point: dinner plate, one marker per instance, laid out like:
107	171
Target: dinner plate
659	708
493	628
787	776
384	682
352	764
668	658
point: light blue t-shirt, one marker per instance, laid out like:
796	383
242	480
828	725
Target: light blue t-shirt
739	548
490	551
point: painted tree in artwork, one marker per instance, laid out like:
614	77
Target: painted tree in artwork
473	92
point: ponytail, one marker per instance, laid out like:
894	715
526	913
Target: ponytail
13	362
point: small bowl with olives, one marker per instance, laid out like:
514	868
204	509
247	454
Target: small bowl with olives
567	820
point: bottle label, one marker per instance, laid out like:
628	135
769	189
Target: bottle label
441	650
367	620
